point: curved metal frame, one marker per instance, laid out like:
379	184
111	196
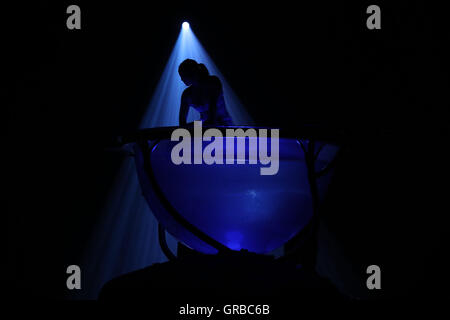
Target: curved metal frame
311	229
146	151
163	243
142	137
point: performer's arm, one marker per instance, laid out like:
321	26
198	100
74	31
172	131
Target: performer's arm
184	108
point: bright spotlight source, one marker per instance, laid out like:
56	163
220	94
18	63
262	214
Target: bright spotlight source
185	25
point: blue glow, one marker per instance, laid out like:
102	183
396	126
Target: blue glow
234	204
234	239
125	238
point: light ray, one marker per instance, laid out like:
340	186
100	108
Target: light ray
126	236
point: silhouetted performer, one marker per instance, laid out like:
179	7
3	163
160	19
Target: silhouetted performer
204	93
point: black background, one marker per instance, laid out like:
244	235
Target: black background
289	63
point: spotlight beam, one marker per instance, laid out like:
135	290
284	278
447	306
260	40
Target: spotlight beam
126	237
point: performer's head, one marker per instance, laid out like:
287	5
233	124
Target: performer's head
192	72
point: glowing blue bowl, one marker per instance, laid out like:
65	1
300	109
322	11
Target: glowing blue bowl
232	203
